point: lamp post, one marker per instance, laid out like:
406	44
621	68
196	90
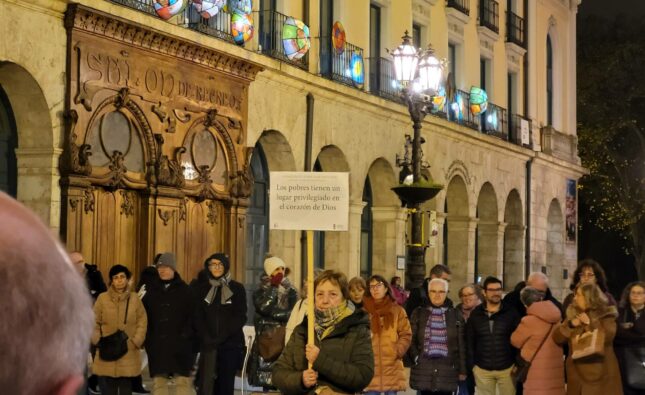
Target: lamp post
419	74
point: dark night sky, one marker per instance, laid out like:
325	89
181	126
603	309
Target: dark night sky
612	8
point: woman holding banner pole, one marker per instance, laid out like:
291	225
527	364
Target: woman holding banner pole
341	359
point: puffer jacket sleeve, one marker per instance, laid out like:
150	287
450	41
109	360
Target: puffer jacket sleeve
286	377
415	326
142	321
265	300
521	334
98	316
404	332
461	341
470	343
355	374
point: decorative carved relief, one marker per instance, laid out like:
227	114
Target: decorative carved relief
117	170
162	113
242	183
168	171
212	213
88	201
165	215
458	168
73	203
76	161
182	210
127	206
241	221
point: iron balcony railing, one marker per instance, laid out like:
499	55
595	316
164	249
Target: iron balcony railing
515	29
489	14
139	5
337	66
494	121
382	79
516	123
461	5
270	36
218	26
459	111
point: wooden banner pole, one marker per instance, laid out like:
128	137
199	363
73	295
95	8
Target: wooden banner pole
310	288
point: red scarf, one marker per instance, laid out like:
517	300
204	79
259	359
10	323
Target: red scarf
381	312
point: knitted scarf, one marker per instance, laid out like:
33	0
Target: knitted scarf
326	320
435	342
216	283
381	313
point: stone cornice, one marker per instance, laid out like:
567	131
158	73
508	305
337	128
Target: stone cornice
85	19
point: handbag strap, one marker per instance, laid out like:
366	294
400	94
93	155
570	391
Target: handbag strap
127	305
542	343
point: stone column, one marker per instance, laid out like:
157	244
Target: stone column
491	249
38	183
388	240
461	250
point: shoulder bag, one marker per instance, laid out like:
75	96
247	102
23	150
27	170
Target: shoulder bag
520	371
588	344
114	346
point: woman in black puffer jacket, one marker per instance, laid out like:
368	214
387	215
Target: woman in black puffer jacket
219	317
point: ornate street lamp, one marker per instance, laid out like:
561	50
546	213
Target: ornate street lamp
420	75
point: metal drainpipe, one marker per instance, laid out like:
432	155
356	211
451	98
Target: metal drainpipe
309	131
527	247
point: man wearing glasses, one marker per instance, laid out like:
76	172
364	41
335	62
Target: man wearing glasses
488	334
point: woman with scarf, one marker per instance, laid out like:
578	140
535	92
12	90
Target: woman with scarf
630	338
341	358
391	335
219	317
438	348
596	374
273	303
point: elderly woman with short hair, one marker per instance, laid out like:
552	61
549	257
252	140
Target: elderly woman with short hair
438	349
533	338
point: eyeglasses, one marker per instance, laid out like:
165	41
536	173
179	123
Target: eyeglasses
493	289
217	265
377	285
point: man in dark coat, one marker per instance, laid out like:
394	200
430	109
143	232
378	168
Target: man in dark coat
488	335
169	305
539	281
220	315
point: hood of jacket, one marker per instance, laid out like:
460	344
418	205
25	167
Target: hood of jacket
545	310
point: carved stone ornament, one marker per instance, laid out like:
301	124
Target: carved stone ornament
73	203
183	210
127	206
117	170
242	183
88	201
95	22
76	160
168	171
241	221
162	113
205	181
165	215
212	213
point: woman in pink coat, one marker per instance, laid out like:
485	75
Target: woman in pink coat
546	374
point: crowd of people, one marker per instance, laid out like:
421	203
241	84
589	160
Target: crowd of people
365	333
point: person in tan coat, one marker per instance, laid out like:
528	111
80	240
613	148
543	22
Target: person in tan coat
115	377
546	375
391	337
596	375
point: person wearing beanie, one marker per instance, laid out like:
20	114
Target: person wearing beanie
273	301
169	305
119	309
220	314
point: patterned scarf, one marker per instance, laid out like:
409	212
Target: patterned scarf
326	320
221	282
435	343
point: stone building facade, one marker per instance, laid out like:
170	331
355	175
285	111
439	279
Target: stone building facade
503	210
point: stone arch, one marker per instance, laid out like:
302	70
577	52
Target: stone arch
37	145
555	248
513	240
459	232
488	257
8	145
387	220
335	250
278	156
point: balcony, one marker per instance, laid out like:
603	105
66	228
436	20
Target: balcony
270	38
218	26
515	29
462	6
519	129
489	14
337	66
382	79
459	111
139	5
494	122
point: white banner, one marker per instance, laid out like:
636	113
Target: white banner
525	132
309	201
